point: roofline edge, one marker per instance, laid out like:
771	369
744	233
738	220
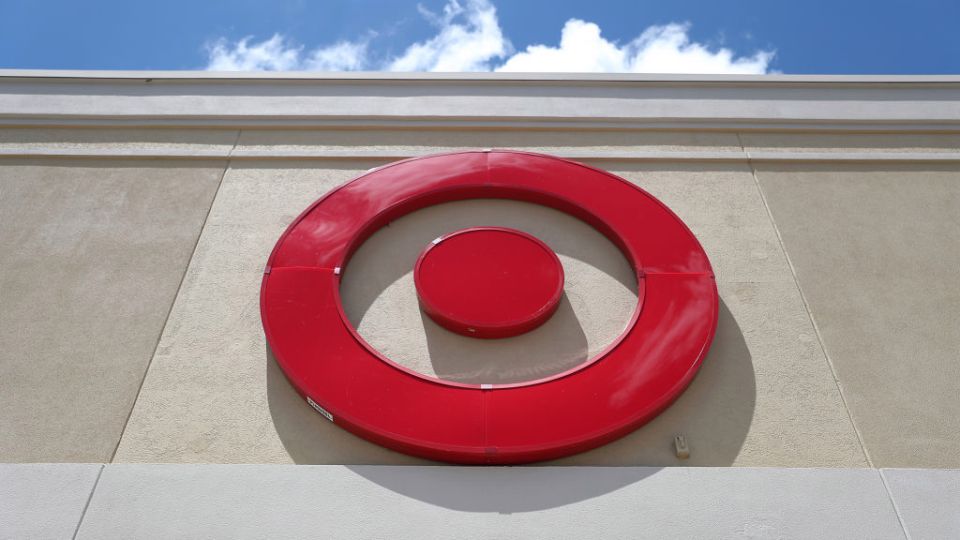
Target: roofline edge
460	77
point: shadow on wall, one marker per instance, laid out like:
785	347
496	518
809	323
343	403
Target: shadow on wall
714	413
505	490
560	344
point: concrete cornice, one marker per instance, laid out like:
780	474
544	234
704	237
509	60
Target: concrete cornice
486	100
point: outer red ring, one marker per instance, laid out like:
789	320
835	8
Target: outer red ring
490	329
623	387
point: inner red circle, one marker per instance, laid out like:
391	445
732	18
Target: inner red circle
489	282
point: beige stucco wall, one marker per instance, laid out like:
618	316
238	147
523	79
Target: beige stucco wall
835	347
91	256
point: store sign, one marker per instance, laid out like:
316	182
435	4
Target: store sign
488	282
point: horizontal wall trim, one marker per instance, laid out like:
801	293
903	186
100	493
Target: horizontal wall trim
382	155
528	101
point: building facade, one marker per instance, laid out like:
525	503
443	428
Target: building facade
137	212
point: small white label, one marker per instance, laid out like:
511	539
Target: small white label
326	414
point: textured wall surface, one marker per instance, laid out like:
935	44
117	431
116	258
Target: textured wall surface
876	253
792	378
92	256
213	394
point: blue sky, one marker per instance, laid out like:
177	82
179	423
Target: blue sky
811	36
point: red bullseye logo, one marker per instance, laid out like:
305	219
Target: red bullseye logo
489	283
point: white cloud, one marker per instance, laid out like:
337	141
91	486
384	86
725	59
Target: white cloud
342	56
581	49
668	49
469	38
277	54
458	46
659	49
273	54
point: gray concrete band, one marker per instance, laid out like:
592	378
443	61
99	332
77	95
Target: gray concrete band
254	501
290	99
